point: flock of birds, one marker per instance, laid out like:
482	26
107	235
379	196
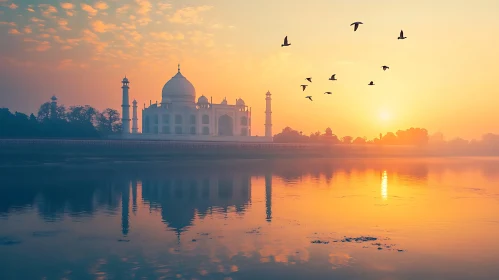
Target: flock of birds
333	77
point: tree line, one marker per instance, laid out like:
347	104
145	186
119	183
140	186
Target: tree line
60	122
411	136
84	121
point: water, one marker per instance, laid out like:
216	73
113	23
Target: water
432	219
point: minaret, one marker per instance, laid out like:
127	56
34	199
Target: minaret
125	116
268	116
53	107
135	128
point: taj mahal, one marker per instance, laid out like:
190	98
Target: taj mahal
180	117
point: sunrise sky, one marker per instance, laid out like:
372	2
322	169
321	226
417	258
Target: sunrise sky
443	77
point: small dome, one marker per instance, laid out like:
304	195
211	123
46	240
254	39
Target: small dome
53	98
203	100
125	80
134	102
224	102
240	102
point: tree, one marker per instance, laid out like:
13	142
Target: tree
82	114
436	138
328	137
389	139
359	140
347	139
108	122
289	135
44	113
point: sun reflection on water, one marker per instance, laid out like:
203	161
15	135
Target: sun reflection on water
384	185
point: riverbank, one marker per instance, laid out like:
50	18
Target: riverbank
14	151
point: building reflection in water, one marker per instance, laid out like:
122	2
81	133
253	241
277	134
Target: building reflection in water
125	199
268	196
180	198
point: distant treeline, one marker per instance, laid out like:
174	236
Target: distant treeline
55	121
411	136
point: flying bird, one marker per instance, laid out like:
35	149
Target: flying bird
309	97
371	83
385	67
309	79
401	37
356	25
328	92
304	87
333	77
286	42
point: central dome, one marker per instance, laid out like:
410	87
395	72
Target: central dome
178	89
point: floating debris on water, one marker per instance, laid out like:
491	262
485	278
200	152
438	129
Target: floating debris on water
378	245
123	240
319	242
194	240
359	239
256	231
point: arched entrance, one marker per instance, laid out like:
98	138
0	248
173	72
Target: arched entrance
225	124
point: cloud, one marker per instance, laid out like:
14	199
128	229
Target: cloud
87	8
30	8
30	40
63	24
14	31
13	24
189	15
51	30
67	6
35	19
47	10
164	6
93	39
143	11
128	26
166	36
144	21
13	6
28	30
65	48
101	5
70	64
43	46
123	9
144	7
101	27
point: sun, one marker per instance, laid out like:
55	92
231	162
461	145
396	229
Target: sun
384	115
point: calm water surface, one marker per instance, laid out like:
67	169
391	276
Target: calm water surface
418	219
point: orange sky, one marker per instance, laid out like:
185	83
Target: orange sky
442	76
